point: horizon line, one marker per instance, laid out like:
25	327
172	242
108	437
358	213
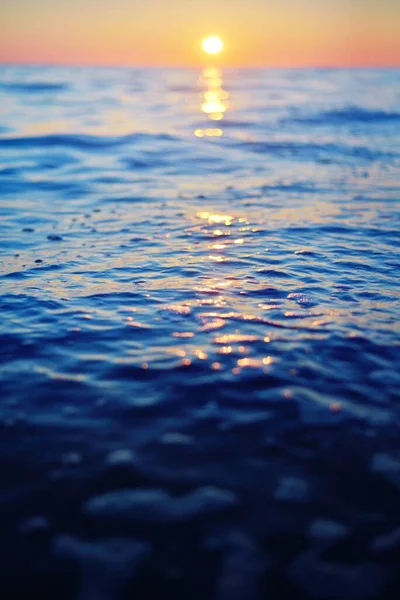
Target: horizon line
196	67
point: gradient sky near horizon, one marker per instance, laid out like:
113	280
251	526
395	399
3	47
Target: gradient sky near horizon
169	32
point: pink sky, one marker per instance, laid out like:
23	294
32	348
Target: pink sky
157	32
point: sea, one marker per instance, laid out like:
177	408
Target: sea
199	334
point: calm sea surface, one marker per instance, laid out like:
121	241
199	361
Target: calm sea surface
199	336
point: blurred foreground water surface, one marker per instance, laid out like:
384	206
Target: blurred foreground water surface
199	338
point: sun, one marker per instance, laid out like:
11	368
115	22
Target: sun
213	45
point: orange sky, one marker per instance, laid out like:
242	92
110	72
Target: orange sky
169	33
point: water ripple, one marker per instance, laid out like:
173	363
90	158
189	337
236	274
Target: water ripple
199	325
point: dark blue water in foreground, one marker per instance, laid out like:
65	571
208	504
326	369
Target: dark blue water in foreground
199	338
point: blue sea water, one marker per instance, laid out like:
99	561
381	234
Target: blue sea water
199	340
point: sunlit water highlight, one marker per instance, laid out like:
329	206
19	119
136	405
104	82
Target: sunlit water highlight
199	334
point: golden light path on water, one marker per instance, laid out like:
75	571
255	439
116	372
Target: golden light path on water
218	287
214	101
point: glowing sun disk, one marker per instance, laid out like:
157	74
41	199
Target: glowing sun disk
213	45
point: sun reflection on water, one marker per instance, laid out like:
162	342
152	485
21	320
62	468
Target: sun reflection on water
215	101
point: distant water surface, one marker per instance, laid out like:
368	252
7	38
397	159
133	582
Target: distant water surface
200	361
